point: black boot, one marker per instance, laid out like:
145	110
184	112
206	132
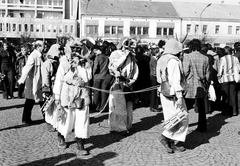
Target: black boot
61	142
80	147
177	148
166	143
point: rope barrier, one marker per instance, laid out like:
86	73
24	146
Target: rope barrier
110	90
139	91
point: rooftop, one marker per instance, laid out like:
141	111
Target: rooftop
128	8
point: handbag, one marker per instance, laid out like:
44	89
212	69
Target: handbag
165	89
211	93
78	103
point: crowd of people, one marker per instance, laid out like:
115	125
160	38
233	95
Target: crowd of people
70	79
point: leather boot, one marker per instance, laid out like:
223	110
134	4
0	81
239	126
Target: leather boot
165	141
80	146
61	142
177	148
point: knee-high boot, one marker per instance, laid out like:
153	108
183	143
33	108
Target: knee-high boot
80	147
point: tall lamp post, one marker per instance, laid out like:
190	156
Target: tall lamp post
200	17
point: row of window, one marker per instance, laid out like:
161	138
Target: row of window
216	30
39	2
38	28
118	30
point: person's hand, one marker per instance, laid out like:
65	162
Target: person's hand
179	102
46	94
130	82
20	82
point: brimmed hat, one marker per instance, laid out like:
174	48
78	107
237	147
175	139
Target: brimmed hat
173	46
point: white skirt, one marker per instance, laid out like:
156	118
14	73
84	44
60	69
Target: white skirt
178	132
74	119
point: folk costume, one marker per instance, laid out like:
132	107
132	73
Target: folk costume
169	67
72	117
123	66
49	69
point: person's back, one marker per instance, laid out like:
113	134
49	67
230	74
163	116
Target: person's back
198	71
101	70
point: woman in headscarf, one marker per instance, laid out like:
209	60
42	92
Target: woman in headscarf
169	68
124	68
48	71
72	100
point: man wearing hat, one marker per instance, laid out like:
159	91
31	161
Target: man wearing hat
169	68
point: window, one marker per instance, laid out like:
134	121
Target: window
7	27
171	31
21	15
60	29
66	28
159	31
71	30
19	27
49	28
164	31
217	27
31	28
145	30
1	26
229	30
107	30
114	29
120	30
14	27
43	28
132	30
139	30
25	27
54	29
237	30
37	28
196	28
92	29
204	29
188	28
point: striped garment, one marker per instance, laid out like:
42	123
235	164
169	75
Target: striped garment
226	68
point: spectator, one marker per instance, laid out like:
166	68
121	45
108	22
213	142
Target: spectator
228	84
154	99
197	71
7	67
20	63
31	76
100	79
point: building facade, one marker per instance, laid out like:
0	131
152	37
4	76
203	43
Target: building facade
37	19
146	20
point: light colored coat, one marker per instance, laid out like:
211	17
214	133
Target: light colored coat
31	75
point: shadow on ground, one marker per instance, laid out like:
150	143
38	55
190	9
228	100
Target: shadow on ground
73	160
36	122
195	138
101	141
11	106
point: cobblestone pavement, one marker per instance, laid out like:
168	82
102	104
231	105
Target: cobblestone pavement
35	146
